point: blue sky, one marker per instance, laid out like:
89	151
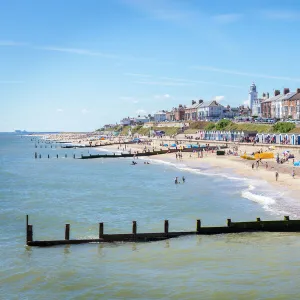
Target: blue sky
78	64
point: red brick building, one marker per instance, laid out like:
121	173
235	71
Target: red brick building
176	114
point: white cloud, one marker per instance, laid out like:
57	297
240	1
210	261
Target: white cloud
285	15
219	98
10	81
11	44
59	110
162	10
227	18
137	75
246	103
76	51
129	99
233	72
165	96
84	111
141	112
164	83
168	81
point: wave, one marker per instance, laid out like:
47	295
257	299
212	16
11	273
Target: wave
265	201
259	191
255	190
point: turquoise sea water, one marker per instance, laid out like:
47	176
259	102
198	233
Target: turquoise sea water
85	192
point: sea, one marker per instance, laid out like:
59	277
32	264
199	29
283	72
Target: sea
55	191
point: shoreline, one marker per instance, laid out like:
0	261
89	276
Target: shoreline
221	164
240	167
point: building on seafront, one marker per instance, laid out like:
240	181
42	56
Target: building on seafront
160	116
253	100
176	113
210	110
279	106
191	111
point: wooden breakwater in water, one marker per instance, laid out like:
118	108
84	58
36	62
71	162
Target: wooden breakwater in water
285	225
148	153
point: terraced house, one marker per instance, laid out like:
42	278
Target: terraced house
210	110
191	112
271	107
176	114
291	105
282	106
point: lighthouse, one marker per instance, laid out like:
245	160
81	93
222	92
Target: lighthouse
253	101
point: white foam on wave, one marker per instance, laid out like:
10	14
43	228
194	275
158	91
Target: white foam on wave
265	201
107	150
257	191
185	168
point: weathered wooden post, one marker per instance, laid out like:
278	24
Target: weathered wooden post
228	222
101	230
74	155
166	226
134	228
257	219
67	232
27	220
287	218
198	225
29	233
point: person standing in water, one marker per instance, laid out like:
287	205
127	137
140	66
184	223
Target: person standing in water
176	180
183	179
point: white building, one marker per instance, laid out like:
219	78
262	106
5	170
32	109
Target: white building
210	110
126	121
160	116
254	102
142	120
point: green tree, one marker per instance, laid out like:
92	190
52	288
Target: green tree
222	124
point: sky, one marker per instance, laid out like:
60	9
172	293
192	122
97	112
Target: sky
75	65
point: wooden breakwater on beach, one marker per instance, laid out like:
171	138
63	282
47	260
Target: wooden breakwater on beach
127	154
148	153
285	225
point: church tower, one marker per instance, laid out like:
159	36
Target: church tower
253	101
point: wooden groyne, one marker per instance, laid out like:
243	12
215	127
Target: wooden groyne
150	153
285	225
147	153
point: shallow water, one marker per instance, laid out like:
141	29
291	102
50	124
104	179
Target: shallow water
85	192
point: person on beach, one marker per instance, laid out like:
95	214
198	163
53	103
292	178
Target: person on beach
266	165
293	174
253	166
276	175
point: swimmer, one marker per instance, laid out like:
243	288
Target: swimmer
183	179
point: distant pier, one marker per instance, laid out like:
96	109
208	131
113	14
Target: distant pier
285	225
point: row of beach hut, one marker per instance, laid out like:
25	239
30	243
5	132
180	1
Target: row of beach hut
238	136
